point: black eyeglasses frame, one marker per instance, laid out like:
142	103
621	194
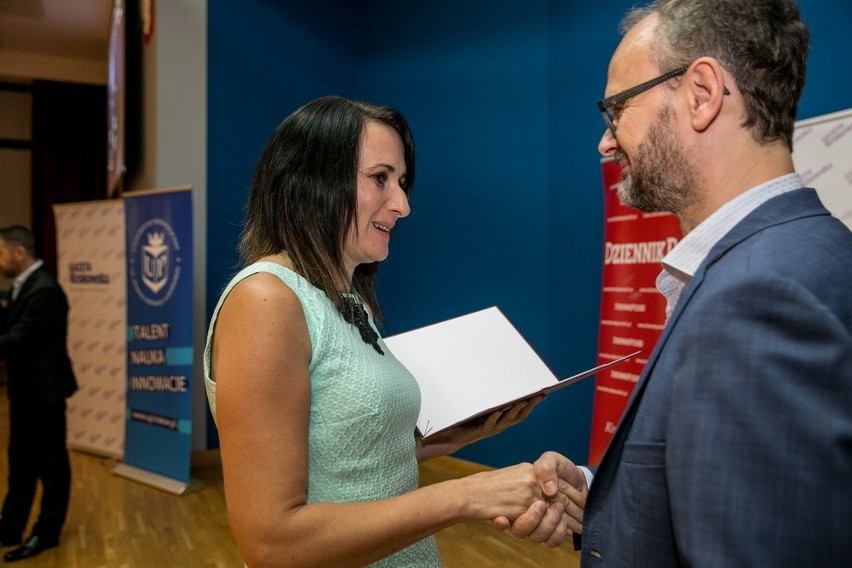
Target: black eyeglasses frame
605	104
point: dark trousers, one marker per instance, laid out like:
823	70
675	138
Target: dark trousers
37	453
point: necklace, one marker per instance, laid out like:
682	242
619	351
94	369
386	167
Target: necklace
357	316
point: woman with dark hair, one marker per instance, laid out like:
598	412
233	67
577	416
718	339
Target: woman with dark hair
316	417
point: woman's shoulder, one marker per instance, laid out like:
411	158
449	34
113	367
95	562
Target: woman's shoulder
276	265
259	288
266	276
263	286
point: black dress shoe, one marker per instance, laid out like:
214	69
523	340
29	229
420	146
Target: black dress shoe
34	545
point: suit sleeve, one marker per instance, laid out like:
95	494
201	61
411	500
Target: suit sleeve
760	435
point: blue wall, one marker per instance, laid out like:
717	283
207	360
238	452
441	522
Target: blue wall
506	209
264	61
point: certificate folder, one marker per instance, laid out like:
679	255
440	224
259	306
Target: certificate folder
471	365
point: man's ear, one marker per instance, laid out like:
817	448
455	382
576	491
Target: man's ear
706	91
20	252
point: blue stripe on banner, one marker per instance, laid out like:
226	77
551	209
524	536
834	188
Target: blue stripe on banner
179	355
185	427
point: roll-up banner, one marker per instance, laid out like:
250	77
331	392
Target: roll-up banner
633	312
91	270
823	147
159	338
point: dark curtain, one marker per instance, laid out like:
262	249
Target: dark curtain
69	153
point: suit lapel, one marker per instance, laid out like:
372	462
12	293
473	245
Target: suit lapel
612	456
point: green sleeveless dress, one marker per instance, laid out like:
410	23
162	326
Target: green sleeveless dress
363	412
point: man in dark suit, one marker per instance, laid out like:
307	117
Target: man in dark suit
33	331
736	446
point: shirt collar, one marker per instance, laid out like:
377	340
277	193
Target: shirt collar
683	260
19	280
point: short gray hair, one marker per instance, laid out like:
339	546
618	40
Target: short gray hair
763	44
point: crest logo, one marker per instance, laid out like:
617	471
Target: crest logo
155	262
155	259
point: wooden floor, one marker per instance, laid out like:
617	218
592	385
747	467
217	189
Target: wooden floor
114	522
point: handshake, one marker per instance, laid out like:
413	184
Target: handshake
545	499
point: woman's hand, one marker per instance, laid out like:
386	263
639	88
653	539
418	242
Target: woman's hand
507	492
453	439
562	483
517	493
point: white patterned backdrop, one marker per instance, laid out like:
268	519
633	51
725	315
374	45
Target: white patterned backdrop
822	153
90	243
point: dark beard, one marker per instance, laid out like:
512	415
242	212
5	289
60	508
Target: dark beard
660	176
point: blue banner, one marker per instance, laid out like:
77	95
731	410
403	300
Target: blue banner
159	332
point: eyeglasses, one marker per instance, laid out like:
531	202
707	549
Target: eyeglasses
606	105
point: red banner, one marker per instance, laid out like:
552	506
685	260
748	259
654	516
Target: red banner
633	312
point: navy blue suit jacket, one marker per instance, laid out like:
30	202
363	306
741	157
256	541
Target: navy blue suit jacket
736	447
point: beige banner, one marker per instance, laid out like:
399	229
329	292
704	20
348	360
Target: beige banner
91	268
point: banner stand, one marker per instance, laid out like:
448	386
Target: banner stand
91	268
159	335
158	481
